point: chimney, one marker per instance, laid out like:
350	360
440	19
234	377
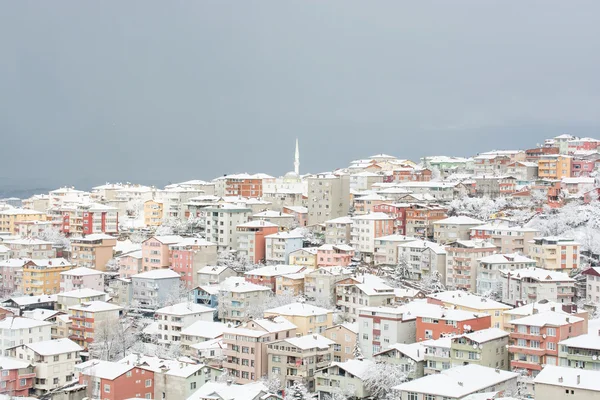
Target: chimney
229	382
460	383
567	319
579	379
553	308
315	337
560	380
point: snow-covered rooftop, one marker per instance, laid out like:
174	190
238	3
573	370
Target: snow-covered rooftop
485	335
590	341
205	329
538	274
376	216
104	369
275	270
298	309
163	273
83	293
11	323
185	308
458	220
550	318
81	271
95	306
225	391
340	220
8	363
569	378
213	269
514	258
257	224
310	342
358	368
55	346
414	351
28	300
235	284
468	300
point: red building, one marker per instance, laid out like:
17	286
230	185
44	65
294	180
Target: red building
532	155
115	381
267	276
17	377
583	144
251	239
86	219
244	185
412	175
534	340
442	322
397	212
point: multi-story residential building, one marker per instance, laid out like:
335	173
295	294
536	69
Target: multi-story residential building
386	248
410	358
244	185
308	319
581	351
329	255
199	332
21	304
491	163
420	219
267	276
36	229
236	297
93	251
30	248
213	274
523	171
534	342
366	228
486	347
153	212
489	280
152	289
285	221
458	383
344	377
43	276
221	223
15	331
454	228
296	359
307	257
352	294
113	381
300	214
156	253
397	212
91	319
364	204
364	180
422	258
37	202
246	346
328	197
434	323
86	219
279	246
10	217
78	296
554	167
577	186
11	271
538	307
130	264
17	379
508	239
582	167
290	284
174	199
338	230
345	337
319	284
566	383
547	250
189	256
494	186
592	278
81	278
287	191
462	264
438	191
53	362
251	242
461	300
173	319
534	284
582	144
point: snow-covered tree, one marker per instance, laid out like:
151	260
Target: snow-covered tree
257	310
273	383
178	294
432	283
380	380
313	238
357	353
113	338
298	392
236	262
56	236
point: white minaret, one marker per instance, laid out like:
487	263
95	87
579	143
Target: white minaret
297	160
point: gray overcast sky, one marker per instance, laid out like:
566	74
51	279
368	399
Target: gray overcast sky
162	91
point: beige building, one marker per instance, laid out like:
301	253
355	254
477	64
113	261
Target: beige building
555	253
306	257
352	294
30	248
319	284
347	377
153	213
461	262
338	230
93	251
530	285
236	296
386	248
11	217
507	238
344	336
454	228
566	383
308	319
328	197
297	359
486	347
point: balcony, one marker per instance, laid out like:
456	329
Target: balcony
527	350
525	365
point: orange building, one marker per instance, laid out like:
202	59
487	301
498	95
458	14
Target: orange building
436	323
251	239
420	218
244	185
554	167
115	381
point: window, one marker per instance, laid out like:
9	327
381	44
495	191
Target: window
522	329
412	396
551	346
193	385
429	397
148	382
128	374
551	331
534	330
106	388
56	358
22	382
148	395
428	334
5	372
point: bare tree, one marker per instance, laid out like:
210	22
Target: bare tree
113	338
380	380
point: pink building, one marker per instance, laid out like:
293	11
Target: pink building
155	252
80	278
130	264
585	144
366	204
300	214
189	256
11	272
330	255
582	167
17	377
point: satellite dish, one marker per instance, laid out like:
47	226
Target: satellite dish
475	346
594	357
544	336
481	346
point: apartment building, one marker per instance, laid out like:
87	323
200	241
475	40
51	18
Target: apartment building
461	300
364	180
554	167
489	280
508	239
523	171
153	212
18	377
307	257
592	280
435	323
87	219
130	264
189	256
251	242
81	278
267	276
534	341
563	382
308	319
344	377
200	332
78	296
156	253
93	251
236	297
244	185
437	355
397	212
366	228
386	248
11	271
213	274
30	248
420	219
338	230
173	319
581	351
11	217
486	347
410	358
329	255
290	284
546	251
422	258
287	191
91	319
36	229
43	276
152	289
221	223
296	359
328	197
345	338
247	344
538	307
15	331
319	284
454	228
280	245
285	221
300	214
352	294
113	381
534	284
462	264
364	204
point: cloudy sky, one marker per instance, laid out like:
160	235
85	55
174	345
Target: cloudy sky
162	91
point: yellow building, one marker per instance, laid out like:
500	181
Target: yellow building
466	301
344	336
93	251
555	253
43	276
554	167
308	318
307	257
153	213
290	284
9	218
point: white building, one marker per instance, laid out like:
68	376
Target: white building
454	228
488	271
280	245
363	291
199	332
422	258
566	383
366	228
173	319
533	284
15	331
221	224
344	377
386	248
81	278
328	197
